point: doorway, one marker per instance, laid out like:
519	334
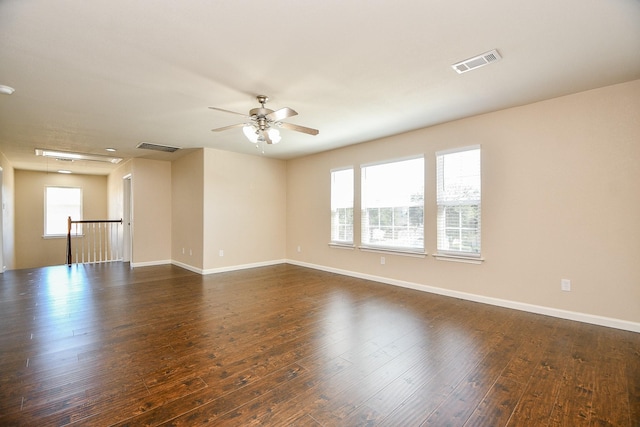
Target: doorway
127	211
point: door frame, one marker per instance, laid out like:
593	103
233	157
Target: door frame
127	219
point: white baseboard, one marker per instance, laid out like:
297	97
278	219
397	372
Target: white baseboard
227	268
150	263
187	266
244	266
531	308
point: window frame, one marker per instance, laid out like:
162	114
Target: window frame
443	205
385	247
46	233
335	240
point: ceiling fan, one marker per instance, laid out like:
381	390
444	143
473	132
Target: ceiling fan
262	122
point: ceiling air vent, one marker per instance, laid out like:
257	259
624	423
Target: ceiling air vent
157	147
476	61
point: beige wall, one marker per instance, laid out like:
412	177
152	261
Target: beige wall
187	196
32	250
151	225
230	202
244	210
560	201
8	215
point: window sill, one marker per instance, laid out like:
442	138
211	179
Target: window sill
342	245
459	258
401	252
61	236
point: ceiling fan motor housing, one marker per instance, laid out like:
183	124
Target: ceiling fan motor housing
258	114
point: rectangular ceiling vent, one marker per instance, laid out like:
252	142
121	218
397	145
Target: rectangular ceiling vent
477	61
157	147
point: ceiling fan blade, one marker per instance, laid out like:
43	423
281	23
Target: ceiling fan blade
265	135
228	111
239	125
280	114
299	128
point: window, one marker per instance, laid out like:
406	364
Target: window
393	205
342	206
458	198
60	204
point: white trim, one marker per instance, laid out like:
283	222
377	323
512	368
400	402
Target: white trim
391	251
537	309
342	245
187	266
343	168
243	266
459	258
340	201
228	268
458	149
150	263
393	160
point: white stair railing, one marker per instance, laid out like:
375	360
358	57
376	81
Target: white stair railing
95	241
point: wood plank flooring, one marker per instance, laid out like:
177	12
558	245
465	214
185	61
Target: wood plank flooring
103	345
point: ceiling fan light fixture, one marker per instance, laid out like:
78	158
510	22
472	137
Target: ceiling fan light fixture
6	90
251	133
274	135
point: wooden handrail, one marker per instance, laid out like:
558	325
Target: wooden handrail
96	221
86	221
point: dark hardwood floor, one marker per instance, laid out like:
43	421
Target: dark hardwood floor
284	345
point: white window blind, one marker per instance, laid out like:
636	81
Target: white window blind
393	205
342	206
459	200
60	204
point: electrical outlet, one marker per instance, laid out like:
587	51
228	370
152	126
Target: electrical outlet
299	249
221	252
565	285
182	251
382	260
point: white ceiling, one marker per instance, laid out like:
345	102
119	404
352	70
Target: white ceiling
112	73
